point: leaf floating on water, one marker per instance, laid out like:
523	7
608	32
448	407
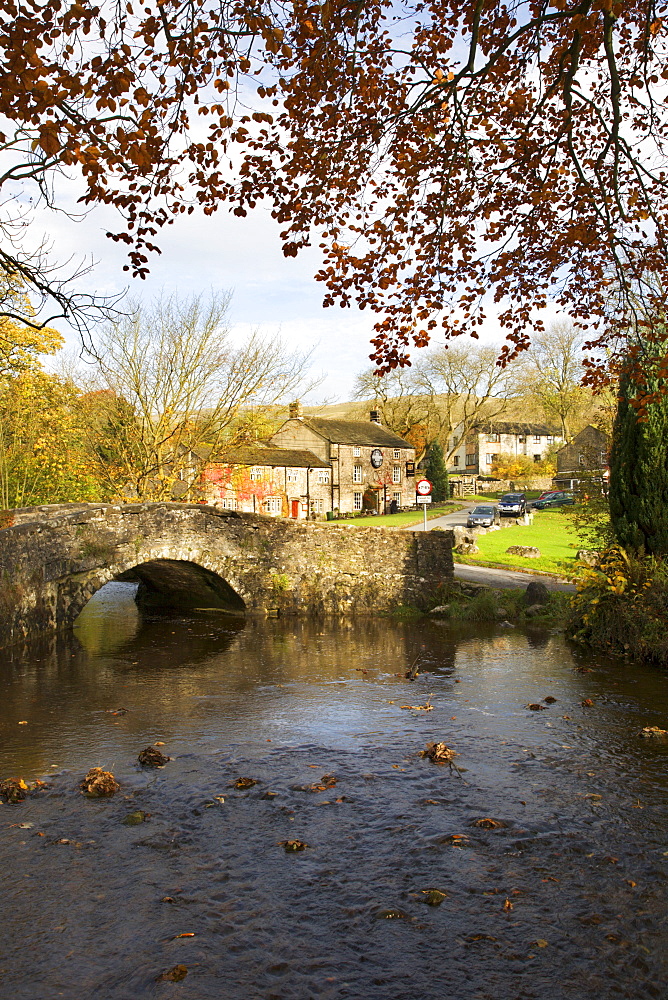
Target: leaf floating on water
439	753
653	731
540	943
534	706
187	934
173	975
13	790
549	700
116	711
587	703
393	913
487	823
98	783
419	708
135	818
23	722
150	757
291	846
244	783
508	906
434	897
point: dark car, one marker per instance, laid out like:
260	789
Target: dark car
481	517
557	499
512	505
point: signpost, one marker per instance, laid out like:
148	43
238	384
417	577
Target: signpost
423	491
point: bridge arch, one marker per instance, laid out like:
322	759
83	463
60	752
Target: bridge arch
53	559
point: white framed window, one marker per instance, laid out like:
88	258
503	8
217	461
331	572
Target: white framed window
522	439
323	475
273	505
397	453
536	438
256	473
357	452
317	506
550	438
455	461
396	473
489	459
604	458
493	438
397	497
357	501
292	475
357	474
228	503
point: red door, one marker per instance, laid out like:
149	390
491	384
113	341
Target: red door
295	509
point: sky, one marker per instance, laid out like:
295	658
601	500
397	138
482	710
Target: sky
274	294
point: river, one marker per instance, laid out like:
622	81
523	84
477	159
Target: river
564	896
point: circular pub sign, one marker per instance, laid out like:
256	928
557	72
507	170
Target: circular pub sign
376	458
423	487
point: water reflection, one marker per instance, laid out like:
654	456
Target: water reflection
583	801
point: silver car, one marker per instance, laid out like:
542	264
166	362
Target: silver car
481	517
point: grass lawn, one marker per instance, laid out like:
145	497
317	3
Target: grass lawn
550	532
402	520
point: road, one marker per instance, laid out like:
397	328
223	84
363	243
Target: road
486	574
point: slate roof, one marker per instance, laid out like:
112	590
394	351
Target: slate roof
362	432
274	458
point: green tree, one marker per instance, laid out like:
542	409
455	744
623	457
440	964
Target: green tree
437	473
639	468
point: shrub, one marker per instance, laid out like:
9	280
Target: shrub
622	605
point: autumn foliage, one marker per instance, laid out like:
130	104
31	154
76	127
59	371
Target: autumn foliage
445	154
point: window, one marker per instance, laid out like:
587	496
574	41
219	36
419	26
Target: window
397	453
256	474
455	461
397	497
537	458
581	460
396	473
357	452
536	438
292	475
357	474
323	475
273	505
550	438
490	458
470	459
357	501
228	503
493	438
455	441
604	458
522	438
317	506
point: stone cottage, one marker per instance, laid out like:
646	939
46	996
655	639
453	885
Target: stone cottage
480	447
370	465
586	453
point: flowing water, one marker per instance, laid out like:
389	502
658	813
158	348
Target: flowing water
565	898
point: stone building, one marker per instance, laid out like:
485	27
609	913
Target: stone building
477	450
370	465
262	479
586	453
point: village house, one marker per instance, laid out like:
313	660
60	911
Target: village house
477	450
585	457
370	465
313	465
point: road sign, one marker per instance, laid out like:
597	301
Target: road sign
423	487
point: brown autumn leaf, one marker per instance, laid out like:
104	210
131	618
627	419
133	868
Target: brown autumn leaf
243	783
292	846
174	975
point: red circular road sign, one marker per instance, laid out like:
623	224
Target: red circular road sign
423	487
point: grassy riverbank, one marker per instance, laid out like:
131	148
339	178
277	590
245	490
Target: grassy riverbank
404	519
551	533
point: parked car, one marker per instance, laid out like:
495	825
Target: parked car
481	516
558	499
545	493
512	505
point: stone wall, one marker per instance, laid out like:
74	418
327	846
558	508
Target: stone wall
52	560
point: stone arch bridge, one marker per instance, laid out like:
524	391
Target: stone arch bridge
54	558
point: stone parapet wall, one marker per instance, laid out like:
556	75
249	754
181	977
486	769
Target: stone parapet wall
53	559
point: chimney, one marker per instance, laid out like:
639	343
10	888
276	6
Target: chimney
374	417
295	410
